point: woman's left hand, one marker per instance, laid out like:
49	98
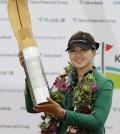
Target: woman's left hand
51	107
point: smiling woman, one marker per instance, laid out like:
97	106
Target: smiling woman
81	97
82	49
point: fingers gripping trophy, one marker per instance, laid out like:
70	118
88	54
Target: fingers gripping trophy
19	17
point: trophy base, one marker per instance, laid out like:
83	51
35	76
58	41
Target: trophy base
40	95
44	103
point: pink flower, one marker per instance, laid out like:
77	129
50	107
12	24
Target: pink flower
86	110
82	84
56	83
94	87
53	127
63	89
44	131
63	86
63	75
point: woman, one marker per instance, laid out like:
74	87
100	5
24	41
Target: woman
81	97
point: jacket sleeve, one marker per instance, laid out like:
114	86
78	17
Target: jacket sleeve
28	99
101	110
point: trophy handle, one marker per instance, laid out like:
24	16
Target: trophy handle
19	17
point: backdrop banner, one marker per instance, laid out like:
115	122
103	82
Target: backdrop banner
53	22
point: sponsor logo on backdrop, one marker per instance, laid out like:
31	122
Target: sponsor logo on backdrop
116	2
117	58
90	20
3	1
3	19
52	73
23	108
52	20
44	55
11	91
116	109
14	126
5	37
52	55
3	108
7	55
109	127
111	70
6	73
49	37
49	2
90	2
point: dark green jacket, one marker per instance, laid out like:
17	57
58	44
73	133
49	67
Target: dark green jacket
95	121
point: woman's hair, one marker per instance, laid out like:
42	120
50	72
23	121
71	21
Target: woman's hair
84	35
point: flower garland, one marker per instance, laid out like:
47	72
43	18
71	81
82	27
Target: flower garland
84	96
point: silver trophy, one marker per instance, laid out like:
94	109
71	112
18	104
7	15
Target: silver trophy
36	78
19	17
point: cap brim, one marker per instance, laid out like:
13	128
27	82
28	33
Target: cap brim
97	45
86	47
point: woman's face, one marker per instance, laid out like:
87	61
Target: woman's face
81	58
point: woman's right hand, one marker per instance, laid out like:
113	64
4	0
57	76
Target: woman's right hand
21	59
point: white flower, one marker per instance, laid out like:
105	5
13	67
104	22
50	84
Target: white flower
47	120
75	108
68	80
54	89
64	72
68	129
71	129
